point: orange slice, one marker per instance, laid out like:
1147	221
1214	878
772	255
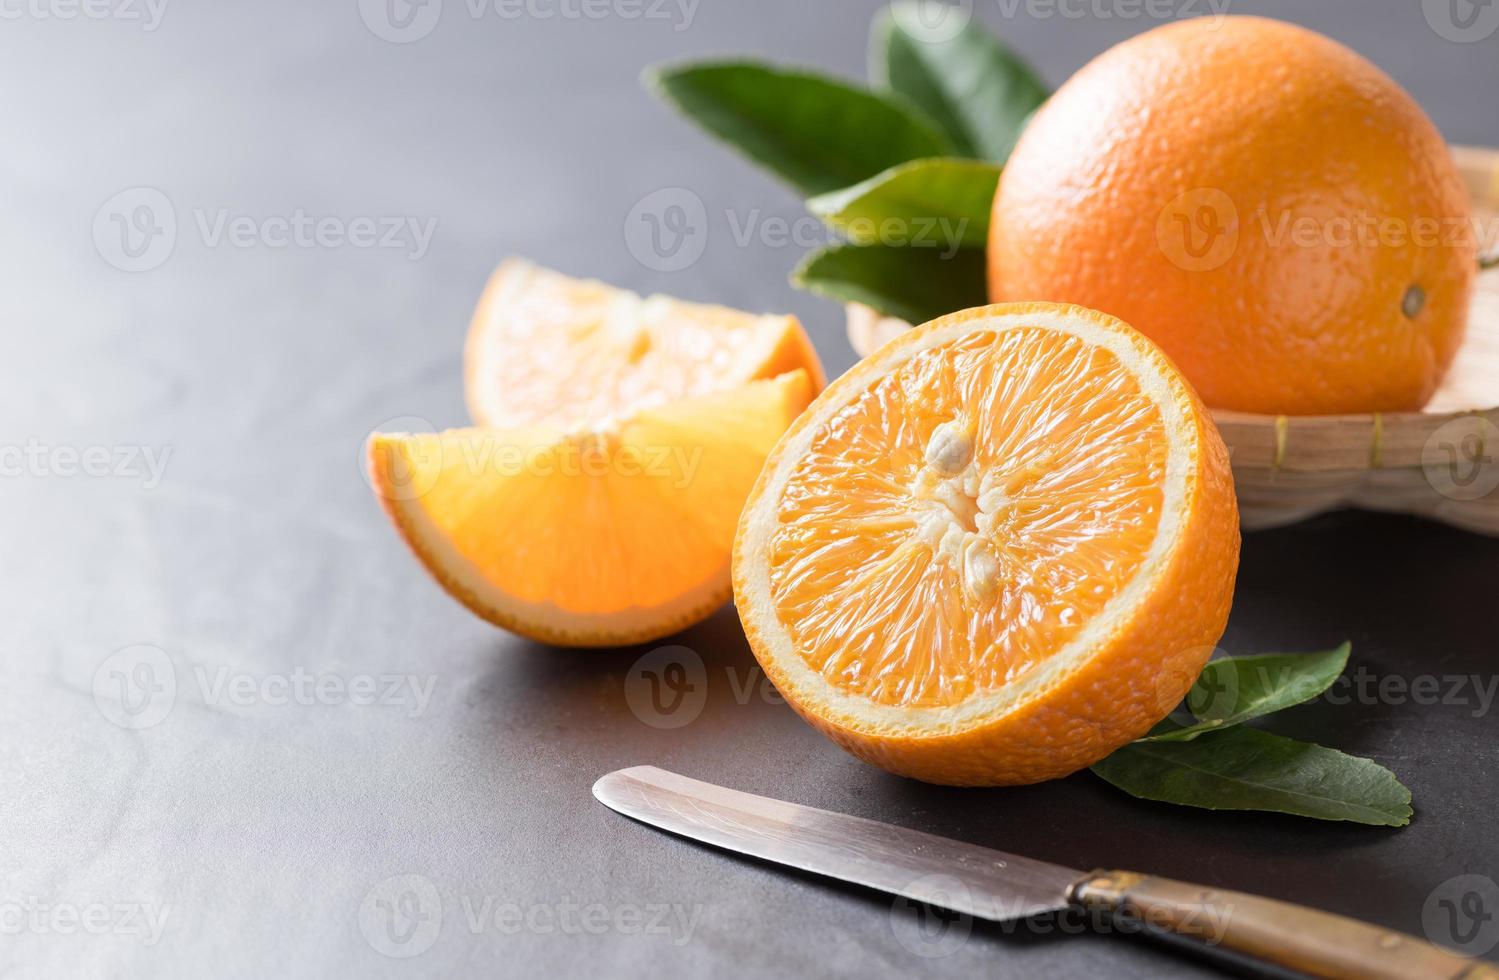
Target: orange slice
996	550
546	348
606	536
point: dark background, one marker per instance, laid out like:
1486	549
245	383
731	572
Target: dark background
270	830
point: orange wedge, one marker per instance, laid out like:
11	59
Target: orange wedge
614	534
546	348
998	549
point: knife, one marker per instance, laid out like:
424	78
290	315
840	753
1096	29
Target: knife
999	887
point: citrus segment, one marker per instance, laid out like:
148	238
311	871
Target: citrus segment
547	348
996	550
591	537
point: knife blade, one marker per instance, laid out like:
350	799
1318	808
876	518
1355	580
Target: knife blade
1000	887
938	871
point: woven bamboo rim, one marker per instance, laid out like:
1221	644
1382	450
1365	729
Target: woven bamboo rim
1441	462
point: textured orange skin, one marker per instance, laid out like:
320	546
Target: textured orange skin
1128	684
1276	118
387	491
384	484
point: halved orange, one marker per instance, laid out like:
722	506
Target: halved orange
612	534
996	550
547	348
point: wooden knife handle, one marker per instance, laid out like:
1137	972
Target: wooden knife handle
1290	936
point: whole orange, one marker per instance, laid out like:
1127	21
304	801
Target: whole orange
1268	206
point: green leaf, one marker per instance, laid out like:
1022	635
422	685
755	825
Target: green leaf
1247	769
967	82
815	132
940	202
914	284
1235	689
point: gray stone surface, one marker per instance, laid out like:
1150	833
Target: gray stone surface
269	832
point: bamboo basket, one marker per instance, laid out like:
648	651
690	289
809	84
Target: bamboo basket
1441	462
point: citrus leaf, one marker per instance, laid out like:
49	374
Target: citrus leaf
968	82
914	284
1232	690
814	132
939	202
1247	769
